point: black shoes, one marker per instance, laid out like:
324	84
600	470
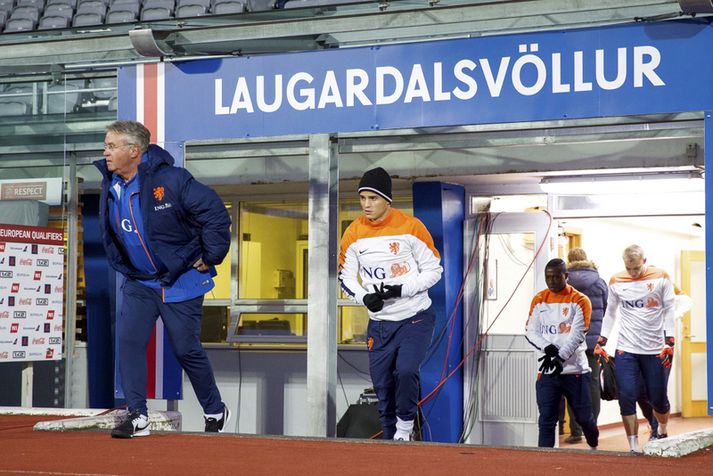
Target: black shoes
572	439
213	425
135	424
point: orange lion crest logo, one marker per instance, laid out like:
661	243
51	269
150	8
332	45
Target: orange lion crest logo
650	286
399	269
565	311
394	248
158	193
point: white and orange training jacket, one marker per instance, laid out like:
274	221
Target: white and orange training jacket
561	319
396	250
646	308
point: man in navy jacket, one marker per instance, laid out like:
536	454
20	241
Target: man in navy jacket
165	232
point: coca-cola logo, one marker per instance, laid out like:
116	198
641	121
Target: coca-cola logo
57	328
4	355
5	315
49	250
26	262
38	341
25	302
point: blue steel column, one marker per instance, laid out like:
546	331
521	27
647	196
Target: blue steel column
708	157
441	207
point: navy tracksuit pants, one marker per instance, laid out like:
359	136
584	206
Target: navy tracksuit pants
576	388
396	351
141	306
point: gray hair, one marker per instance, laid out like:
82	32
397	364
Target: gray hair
135	132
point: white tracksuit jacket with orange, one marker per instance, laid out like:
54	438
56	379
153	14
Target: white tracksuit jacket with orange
645	306
561	319
396	250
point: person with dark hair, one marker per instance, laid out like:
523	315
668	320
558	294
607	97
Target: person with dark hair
164	232
556	327
387	262
584	277
642	297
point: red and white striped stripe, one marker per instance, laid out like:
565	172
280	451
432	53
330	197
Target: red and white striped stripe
150	111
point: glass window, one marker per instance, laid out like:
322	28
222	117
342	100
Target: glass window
273	263
273	250
272	324
214	327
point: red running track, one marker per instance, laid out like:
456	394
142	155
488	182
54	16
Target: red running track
27	452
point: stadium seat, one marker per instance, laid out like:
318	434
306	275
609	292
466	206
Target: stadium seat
25	94
168	4
38	4
205	3
188	11
87	19
29	13
59	10
120	16
53	22
71	3
228	6
7	5
19	24
155	13
12	108
108	86
133	6
260	5
92	6
62	98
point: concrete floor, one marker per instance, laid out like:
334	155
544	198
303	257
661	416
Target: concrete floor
613	438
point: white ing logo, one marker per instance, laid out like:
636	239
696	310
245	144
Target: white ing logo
126	225
529	72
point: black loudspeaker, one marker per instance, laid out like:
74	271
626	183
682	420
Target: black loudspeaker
361	420
696	6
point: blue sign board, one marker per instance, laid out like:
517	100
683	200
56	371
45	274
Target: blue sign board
614	71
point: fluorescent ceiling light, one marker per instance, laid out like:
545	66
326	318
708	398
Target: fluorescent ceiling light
623	184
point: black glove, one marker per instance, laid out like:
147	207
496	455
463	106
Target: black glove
552	351
388	291
550	365
373	302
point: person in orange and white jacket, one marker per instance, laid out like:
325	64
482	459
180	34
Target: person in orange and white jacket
642	298
557	325
387	261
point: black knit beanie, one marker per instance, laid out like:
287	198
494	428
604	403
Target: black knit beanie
378	181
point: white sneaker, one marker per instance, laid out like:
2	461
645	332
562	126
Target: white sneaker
402	436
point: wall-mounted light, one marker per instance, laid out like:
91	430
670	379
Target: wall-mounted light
148	43
689	181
